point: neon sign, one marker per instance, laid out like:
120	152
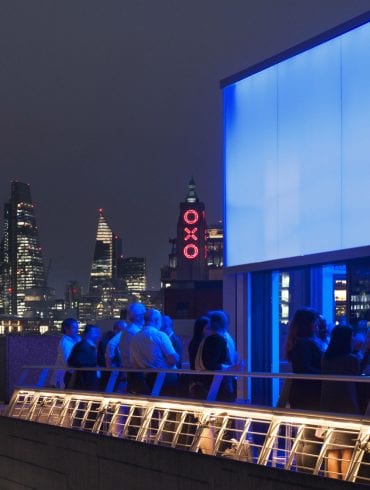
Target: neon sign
191	216
190	234
190	250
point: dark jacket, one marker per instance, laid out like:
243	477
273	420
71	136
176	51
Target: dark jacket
214	353
214	356
340	396
84	355
306	359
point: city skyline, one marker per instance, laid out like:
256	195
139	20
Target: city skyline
106	252
117	108
108	258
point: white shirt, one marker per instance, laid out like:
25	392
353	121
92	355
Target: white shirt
122	340
65	347
149	349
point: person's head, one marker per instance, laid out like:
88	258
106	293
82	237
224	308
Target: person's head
201	327
303	325
340	342
153	318
136	312
92	333
218	321
70	327
119	325
167	324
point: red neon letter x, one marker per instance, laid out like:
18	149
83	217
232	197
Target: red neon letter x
190	234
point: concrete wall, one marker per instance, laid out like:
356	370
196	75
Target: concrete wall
45	457
20	350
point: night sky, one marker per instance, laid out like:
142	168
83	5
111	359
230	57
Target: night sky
116	104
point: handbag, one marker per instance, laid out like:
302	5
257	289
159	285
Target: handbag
320	432
243	453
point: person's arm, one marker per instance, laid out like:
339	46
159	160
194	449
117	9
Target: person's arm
177	345
170	355
73	357
233	355
110	350
66	347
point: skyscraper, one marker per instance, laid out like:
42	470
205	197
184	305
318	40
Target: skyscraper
22	267
191	238
108	248
197	251
132	270
215	246
73	294
192	281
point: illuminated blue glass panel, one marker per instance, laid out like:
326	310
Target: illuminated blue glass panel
309	151
251	147
297	147
356	137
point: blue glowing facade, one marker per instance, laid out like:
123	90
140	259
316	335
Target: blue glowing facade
297	152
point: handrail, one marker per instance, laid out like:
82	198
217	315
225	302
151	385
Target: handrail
242	373
221	406
214	386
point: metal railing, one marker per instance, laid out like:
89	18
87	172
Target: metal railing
283	438
42	374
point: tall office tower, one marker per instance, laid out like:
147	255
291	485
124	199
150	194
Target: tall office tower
73	294
192	282
132	270
215	246
215	251
191	238
107	249
22	263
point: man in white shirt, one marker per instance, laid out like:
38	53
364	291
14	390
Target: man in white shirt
70	337
151	348
122	340
167	328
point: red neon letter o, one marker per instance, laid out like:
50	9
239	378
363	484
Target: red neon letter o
191	251
191	216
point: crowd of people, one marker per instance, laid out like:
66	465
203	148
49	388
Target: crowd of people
145	339
311	349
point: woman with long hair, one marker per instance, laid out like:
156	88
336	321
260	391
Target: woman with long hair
340	396
196	385
200	331
304	353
